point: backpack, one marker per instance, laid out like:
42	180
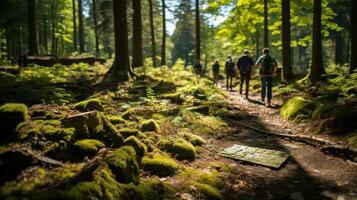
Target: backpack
230	66
244	63
267	65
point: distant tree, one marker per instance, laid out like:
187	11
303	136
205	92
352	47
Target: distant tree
266	31
81	26
95	21
286	37
353	36
32	30
137	35
163	47
152	31
317	68
198	30
74	19
120	68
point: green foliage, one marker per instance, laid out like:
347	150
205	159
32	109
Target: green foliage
140	148
88	105
160	165
297	107
182	149
87	147
122	162
149	125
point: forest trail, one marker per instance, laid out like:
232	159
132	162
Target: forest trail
307	174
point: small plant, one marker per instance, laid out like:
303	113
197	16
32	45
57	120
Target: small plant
150	95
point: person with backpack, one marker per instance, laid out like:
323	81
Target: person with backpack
198	68
245	64
267	65
229	68
215	71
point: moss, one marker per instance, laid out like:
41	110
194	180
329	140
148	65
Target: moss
208	191
127	132
160	165
182	149
111	137
128	114
87	147
83	123
203	109
193	139
140	148
149	125
88	105
56	134
174	97
116	120
297	106
122	162
11	114
59	150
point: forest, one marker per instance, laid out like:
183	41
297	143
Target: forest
144	99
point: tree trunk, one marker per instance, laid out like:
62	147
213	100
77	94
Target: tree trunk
120	68
19	44
266	33
137	35
317	68
339	48
95	20
153	46
353	36
163	47
198	32
286	35
53	13
257	47
81	26
74	19
32	31
45	44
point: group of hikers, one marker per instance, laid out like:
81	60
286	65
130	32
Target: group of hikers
266	64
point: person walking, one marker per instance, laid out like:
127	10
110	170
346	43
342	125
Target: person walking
267	65
198	68
229	68
215	71
245	64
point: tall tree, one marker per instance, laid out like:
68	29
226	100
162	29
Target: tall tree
120	67
353	36
286	36
95	21
266	31
137	35
152	31
198	31
32	30
163	47
53	18
317	68
81	26
74	19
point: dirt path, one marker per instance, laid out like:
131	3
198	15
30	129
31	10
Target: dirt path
308	173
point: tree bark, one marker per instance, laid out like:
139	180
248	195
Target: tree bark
257	45
95	20
286	36
163	47
266	32
339	48
45	43
317	68
198	32
137	35
74	19
53	13
120	68
81	26
353	36
32	30
152	30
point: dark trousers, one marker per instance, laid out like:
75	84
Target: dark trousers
229	78
267	85
244	76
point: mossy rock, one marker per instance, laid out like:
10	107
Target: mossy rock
196	140
174	97
203	109
149	125
122	162
116	120
60	151
87	147
108	134
83	123
128	114
12	114
182	149
297	106
352	90
127	132
160	165
140	148
88	105
208	191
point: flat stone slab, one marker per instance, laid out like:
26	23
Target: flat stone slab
266	157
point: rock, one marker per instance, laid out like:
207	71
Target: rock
128	114
116	120
182	149
174	97
160	165
203	109
108	134
87	147
127	132
193	139
297	106
11	114
149	125
84	123
140	148
122	162
88	105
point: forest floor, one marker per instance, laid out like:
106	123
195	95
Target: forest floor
307	174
